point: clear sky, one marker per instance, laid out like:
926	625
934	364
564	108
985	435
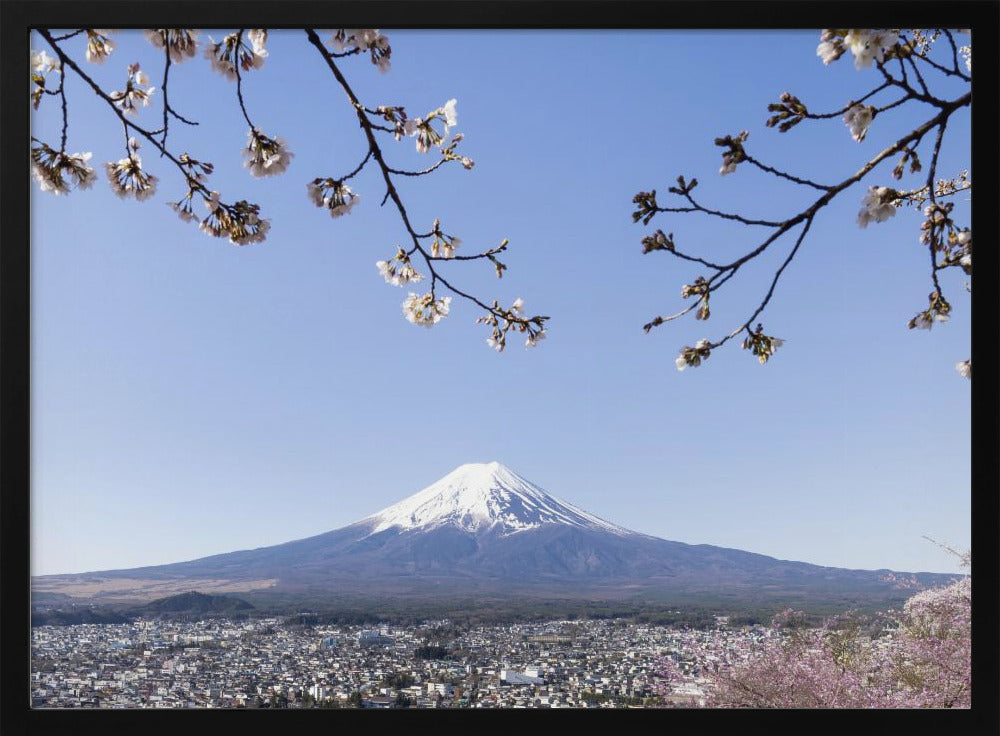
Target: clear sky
190	397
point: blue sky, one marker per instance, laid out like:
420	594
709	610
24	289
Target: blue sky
191	397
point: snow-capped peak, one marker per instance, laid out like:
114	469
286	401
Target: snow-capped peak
485	496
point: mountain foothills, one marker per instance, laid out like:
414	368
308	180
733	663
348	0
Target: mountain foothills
485	532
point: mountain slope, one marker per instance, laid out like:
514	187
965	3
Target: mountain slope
484	528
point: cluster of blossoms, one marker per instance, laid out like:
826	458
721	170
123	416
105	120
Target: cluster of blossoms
789	112
99	46
939	232
443	246
426	136
693	356
878	205
126	177
938	311
699	288
349	40
397	275
195	171
857	118
266	156
866	44
424	309
734	153
55	171
513	319
181	43
41	64
761	345
137	90
333	194
240	222
658	241
232	50
448	152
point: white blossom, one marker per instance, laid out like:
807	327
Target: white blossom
964	239
518	306
857	118
397	276
226	53
681	362
127	179
363	39
869	45
830	51
533	340
496	344
258	41
181	43
136	92
183	210
424	309
450	115
728	163
964	369
266	156
877	206
336	196
99	46
241	221
55	171
42	63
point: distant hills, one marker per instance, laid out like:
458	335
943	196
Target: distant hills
191	605
484	530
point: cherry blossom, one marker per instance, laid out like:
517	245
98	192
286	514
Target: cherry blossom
424	309
181	43
877	206
857	118
99	46
266	156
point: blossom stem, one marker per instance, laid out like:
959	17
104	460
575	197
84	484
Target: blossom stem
239	78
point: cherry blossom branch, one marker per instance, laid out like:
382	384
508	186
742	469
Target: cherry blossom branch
65	113
148	135
167	109
239	52
533	326
69	35
955	71
239	82
784	175
883	202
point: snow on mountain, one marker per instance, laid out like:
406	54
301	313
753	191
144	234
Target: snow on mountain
479	497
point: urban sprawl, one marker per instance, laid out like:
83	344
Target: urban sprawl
222	663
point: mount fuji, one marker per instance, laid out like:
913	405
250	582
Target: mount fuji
485	529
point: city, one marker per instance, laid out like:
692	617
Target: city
225	663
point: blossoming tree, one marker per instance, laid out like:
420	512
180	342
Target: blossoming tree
919	657
910	67
235	56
